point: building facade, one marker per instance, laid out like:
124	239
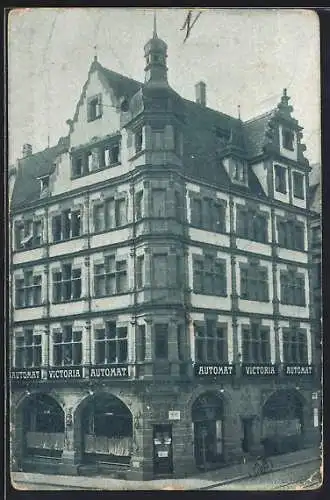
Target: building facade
160	271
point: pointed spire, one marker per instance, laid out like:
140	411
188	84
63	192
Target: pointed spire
239	111
155	25
285	99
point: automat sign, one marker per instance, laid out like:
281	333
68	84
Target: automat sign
117	371
214	370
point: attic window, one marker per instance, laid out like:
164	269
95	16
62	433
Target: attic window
287	139
239	172
94	108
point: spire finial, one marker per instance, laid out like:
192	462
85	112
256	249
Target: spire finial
95	53
239	111
155	25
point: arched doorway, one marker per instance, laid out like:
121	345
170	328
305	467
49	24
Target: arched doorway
283	422
43	427
207	416
107	431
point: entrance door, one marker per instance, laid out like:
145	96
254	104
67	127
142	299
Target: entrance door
162	449
247	434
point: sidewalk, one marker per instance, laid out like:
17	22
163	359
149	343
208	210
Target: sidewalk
204	480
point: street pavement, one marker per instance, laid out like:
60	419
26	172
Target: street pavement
233	474
303	476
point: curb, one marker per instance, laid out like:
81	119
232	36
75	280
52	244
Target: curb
210	486
245	476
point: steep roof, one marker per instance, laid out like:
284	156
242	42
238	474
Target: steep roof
31	168
255	133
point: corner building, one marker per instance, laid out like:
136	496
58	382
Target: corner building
160	270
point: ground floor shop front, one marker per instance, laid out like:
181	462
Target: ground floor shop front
154	430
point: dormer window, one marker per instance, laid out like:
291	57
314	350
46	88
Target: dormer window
280	179
94	108
288	139
44	185
239	172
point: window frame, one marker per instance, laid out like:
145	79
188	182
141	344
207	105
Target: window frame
208	342
254	282
253	344
293	343
280	181
94	107
67	346
21	351
68	284
30	285
108	277
113	340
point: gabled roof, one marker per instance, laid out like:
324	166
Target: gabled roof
31	168
255	133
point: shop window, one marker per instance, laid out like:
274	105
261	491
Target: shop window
256	344
140	272
298	185
28	290
94	108
28	234
110	214
66	284
141	343
111	344
210	342
280	179
293	288
161	341
209	276
291	234
67	225
110	278
28	349
288	139
295	346
67	347
254	283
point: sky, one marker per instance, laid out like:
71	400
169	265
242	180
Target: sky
245	56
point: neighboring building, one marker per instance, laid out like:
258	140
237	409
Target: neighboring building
161	270
315	203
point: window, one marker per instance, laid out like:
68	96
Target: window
141	343
179	206
110	278
138	140
66	284
209	276
111	344
67	347
280	179
111	154
94	108
295	346
252	226
158	202
298	185
110	214
28	290
67	225
161	341
28	234
292	288
208	214
140	271
291	234
139	205
160	271
158	140
210	342
256	344
239	172
77	166
254	283
28	350
288	139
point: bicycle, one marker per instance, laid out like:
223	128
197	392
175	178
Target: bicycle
262	465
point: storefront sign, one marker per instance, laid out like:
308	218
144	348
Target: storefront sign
64	373
162	454
259	370
298	369
108	371
25	374
174	415
213	370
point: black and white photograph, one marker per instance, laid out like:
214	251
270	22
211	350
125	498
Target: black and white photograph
164	249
